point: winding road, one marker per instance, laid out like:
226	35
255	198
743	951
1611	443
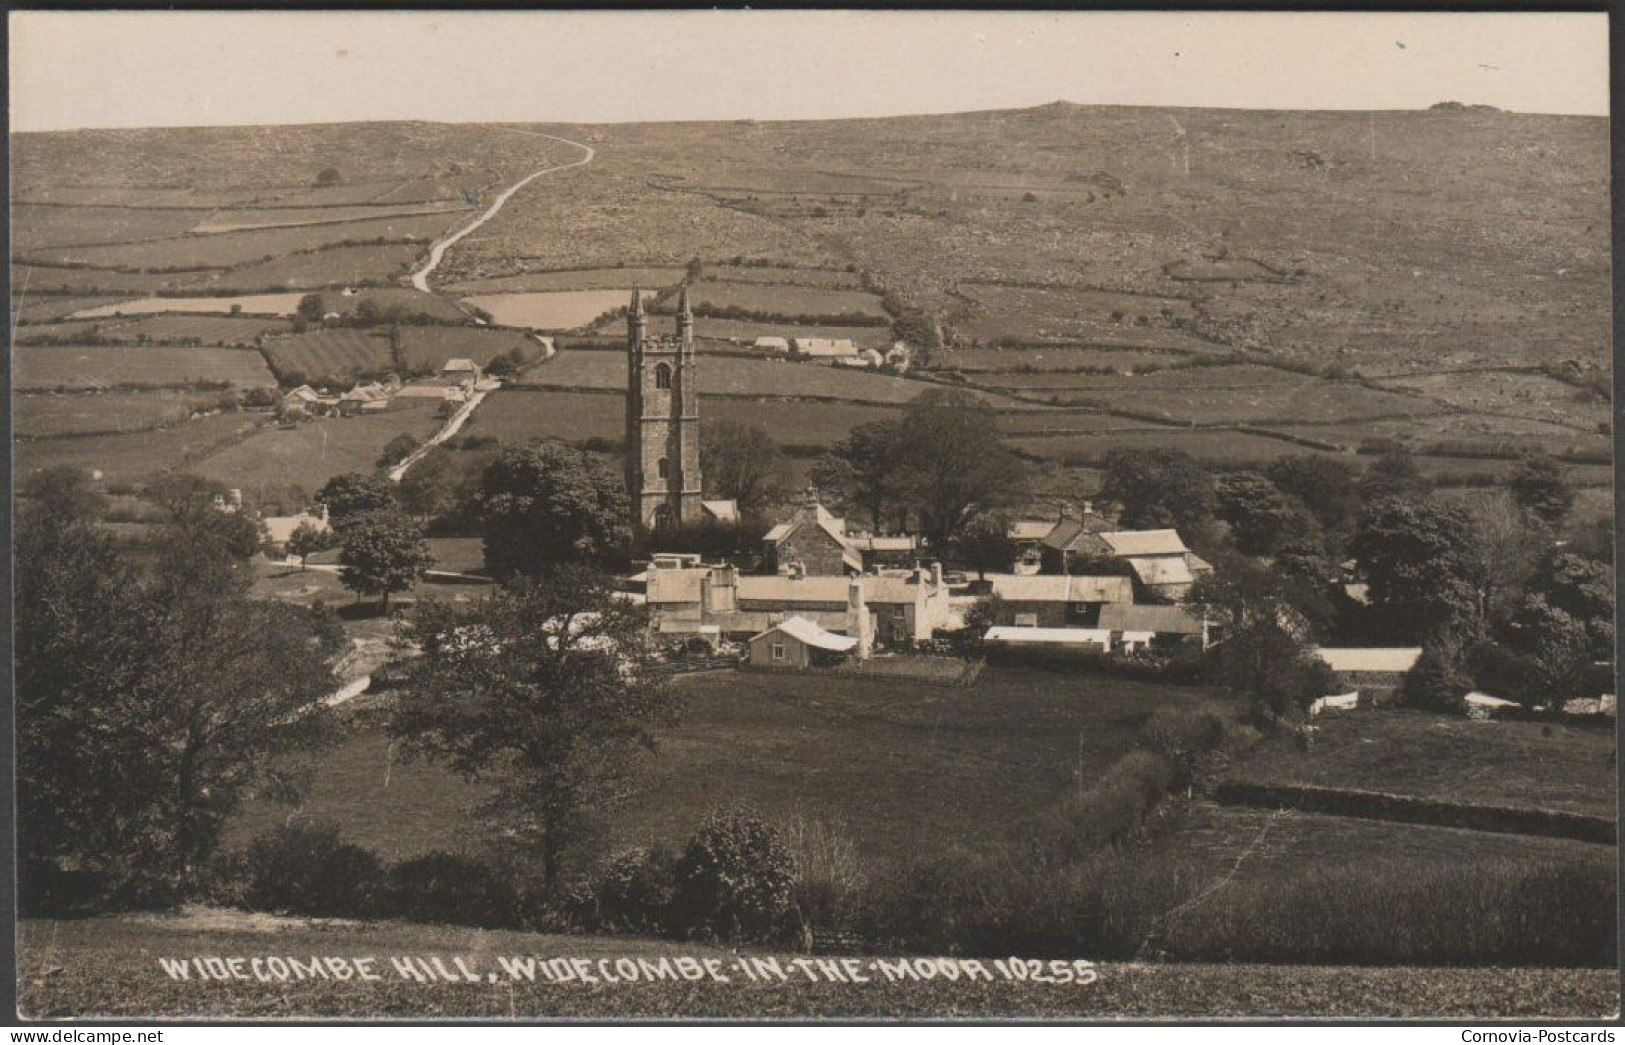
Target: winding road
420	278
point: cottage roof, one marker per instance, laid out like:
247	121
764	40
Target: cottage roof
825	346
279	528
667	586
722	510
772	343
1160	570
459	366
805	631
832	525
1162	620
1042	588
1100	589
1144	542
904	543
1394	659
1031	529
304	393
792	589
883	589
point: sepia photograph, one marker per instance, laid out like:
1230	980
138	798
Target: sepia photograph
798	516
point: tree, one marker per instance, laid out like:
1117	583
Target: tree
1264	658
1425	566
547	504
353	494
153	696
194	506
741	462
1325	485
382	552
328	176
306	540
438	493
952	463
1158	488
547	692
1260	516
368	314
1394	474
311	308
1436	681
396	450
985	544
861	471
1538	485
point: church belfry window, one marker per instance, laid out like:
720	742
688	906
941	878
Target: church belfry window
664	468
662	376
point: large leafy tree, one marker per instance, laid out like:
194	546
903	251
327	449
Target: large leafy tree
985	544
1394	473
153	696
548	693
382	553
741	462
1158	488
1260	516
548	504
354	494
953	464
1325	485
1426	568
861	472
1538	485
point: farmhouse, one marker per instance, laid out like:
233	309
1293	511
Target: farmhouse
368	398
772	343
797	642
464	372
1042	601
1374	671
305	401
815	541
1163	568
867	358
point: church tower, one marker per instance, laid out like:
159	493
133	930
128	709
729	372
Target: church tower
662	421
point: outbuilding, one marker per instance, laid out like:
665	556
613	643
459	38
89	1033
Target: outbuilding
797	642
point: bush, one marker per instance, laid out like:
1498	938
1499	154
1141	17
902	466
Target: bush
734	880
636	893
305	869
1111	811
448	888
829	876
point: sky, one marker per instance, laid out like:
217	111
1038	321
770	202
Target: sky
74	69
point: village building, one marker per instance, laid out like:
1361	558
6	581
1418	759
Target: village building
1044	601
368	398
797	642
1377	673
279	528
305	401
867	358
1069	543
1063	640
813	541
1136	626
772	343
823	347
464	372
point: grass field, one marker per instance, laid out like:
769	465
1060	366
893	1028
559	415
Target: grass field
732	376
248	219
784	299
244	331
868	756
1530	764
549	310
746	331
650	279
138	455
39	228
518	415
320	356
1053	358
1218	403
331	267
312	452
834	279
1217	447
46	416
251	304
45	367
107	967
231	249
432	346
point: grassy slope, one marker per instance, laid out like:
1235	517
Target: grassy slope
1412	753
898	765
108	967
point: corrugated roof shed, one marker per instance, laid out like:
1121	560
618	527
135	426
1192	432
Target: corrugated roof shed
803	630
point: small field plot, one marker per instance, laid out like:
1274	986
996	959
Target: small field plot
330	267
312	452
803	426
431	347
650	279
28	309
38	228
46	416
238	248
30	281
1258	404
1055	358
322	356
746	331
785	300
834	279
47	367
136	455
243	331
1529	395
252	304
733	376
515	416
550	310
1218	447
1527	764
247	220
1083	314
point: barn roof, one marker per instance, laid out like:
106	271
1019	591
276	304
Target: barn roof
805	631
1162	569
1161	620
460	365
1380	659
1049	636
1144	542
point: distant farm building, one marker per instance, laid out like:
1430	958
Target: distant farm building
799	643
1377	672
464	372
1137	626
772	343
824	347
1039	601
279	528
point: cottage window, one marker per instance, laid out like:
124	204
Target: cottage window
1026	620
662	376
778	651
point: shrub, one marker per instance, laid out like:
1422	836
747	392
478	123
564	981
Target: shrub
734	880
636	893
448	888
829	875
1111	811
306	869
1182	738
